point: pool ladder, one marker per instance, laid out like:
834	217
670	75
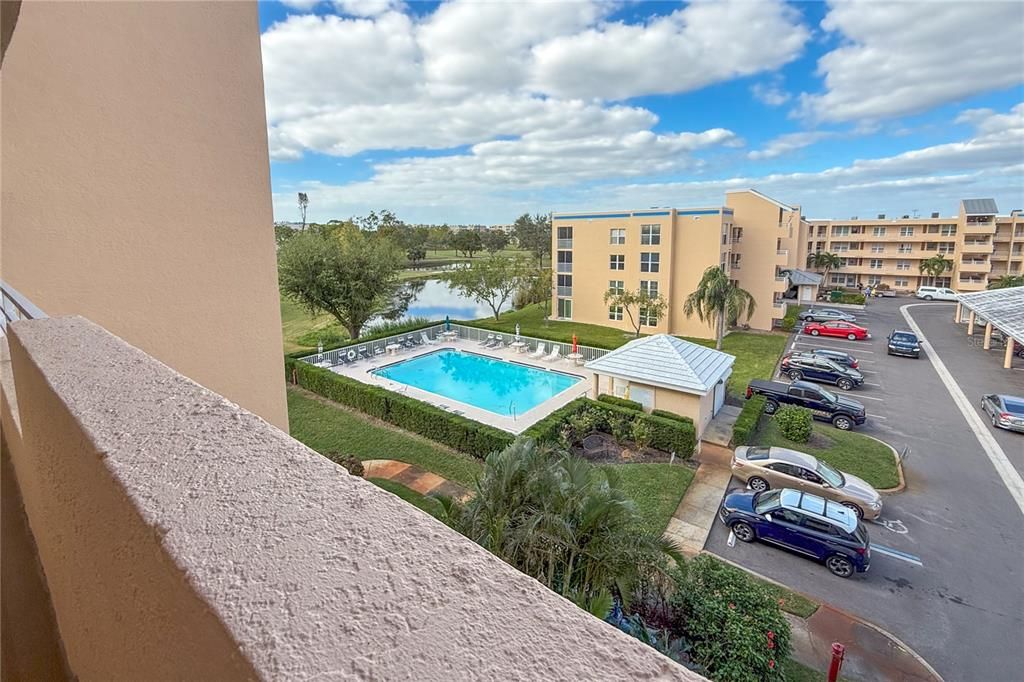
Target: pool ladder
512	409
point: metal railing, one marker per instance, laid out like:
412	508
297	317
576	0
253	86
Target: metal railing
378	349
16	307
565	291
565	267
565	243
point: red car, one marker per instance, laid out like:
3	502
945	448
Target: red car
842	329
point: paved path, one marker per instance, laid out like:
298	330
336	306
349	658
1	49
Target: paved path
695	515
414	478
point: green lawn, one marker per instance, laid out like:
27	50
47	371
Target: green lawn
790	601
756	353
297	327
656	489
327	428
849	451
427	504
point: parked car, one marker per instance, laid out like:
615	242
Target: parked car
902	342
936	294
817	368
824	405
763	468
810	525
838	357
999	339
826	315
1004	411
841	329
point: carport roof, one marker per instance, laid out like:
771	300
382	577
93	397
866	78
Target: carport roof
1004	308
666	361
802	277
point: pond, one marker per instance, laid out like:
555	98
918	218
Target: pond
433	299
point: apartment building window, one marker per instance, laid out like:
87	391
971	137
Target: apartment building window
902	265
905	248
650	235
879	231
565	261
874	279
649	287
615	312
943	281
647	318
841	247
650	262
565	237
876	264
616	285
844	280
734	261
878	248
565	308
947	230
907	231
945	248
841	231
617	262
565	285
618	235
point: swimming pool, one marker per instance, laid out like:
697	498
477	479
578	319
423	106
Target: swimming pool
504	388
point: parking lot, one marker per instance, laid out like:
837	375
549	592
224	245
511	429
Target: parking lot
946	573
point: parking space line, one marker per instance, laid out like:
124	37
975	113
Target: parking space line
875	385
897	554
1010	476
818	339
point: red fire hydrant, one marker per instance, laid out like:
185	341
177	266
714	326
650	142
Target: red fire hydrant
838	652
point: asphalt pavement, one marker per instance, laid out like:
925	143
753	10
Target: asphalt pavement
947	571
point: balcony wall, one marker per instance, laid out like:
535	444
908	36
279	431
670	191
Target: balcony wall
184	537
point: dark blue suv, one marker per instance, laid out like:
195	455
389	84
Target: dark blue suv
799	366
810	525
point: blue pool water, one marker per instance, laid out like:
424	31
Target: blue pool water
493	385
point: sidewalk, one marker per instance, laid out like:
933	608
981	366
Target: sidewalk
696	513
413	477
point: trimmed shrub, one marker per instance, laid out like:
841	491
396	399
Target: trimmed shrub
672	415
620	402
748	420
547	430
735	626
669	435
794	423
791	318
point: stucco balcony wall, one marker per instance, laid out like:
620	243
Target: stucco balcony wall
184	537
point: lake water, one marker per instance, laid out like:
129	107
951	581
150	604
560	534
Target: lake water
433	299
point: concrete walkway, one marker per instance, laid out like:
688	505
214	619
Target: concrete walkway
415	478
719	430
696	513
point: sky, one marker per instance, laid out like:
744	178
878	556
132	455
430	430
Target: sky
476	112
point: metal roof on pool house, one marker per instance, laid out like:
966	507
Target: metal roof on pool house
666	361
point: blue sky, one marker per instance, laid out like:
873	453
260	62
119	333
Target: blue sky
466	112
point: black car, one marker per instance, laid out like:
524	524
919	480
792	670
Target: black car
838	357
902	342
824	405
817	368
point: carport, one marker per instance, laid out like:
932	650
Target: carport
1002	309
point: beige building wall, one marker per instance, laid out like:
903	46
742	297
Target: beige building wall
136	187
698	408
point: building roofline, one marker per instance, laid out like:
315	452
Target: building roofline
778	203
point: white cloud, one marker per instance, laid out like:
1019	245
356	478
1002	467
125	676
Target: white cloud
790	142
301	5
686	50
769	93
367	8
900	58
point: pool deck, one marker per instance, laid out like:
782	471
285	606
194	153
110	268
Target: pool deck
362	371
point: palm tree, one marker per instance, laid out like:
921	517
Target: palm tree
824	261
935	266
717	299
1007	281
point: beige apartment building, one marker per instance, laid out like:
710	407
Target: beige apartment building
981	244
665	251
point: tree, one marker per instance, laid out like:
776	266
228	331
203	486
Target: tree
438	237
415	253
824	261
494	240
491	280
1007	281
282	233
303	205
467	241
563	521
639	306
717	299
533	233
935	266
345	273
535	288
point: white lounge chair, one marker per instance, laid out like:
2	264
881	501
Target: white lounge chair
488	341
426	339
553	355
541	349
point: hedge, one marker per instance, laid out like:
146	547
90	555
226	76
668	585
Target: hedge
547	429
672	415
748	420
790	320
669	435
363	339
410	414
621	402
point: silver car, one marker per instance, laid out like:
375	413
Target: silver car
1004	411
826	315
770	467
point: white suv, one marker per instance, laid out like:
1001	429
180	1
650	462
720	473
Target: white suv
936	294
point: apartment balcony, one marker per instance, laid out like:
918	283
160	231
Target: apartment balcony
970	284
975	266
565	291
976	247
564	243
564	267
979	228
183	537
1000	254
